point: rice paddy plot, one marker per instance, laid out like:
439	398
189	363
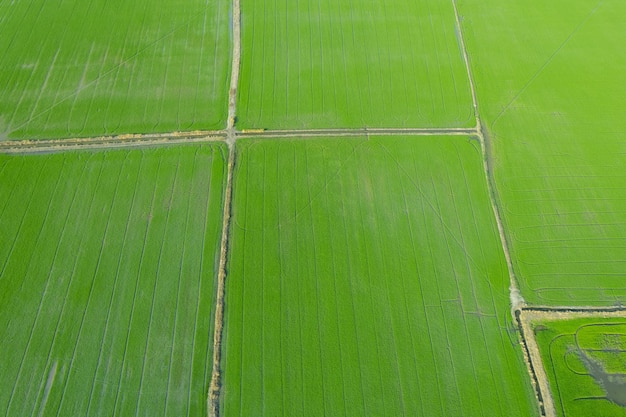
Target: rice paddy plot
322	64
549	78
75	68
585	361
366	277
107	264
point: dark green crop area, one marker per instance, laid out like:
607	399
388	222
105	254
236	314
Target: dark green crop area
321	64
585	361
366	277
107	264
550	86
89	68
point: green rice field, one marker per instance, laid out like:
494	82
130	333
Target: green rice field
74	69
585	361
376	186
552	101
366	278
318	64
107	265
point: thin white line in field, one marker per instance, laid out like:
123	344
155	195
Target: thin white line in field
340	132
578	311
213	396
466	61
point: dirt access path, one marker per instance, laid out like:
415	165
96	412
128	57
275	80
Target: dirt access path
525	318
110	142
227	135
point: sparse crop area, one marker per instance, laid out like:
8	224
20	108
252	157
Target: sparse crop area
106	280
76	69
366	278
319	64
585	359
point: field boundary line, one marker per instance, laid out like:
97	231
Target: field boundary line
213	397
516	299
530	350
583	311
466	62
234	69
534	365
110	142
228	135
340	132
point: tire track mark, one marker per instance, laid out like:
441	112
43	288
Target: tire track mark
199	287
156	283
97	268
59	101
132	311
54	258
65	298
45	291
19	229
180	278
547	62
115	281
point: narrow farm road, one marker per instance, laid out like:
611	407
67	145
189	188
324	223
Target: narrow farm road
214	388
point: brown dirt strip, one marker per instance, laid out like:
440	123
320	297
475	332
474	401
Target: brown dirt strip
466	61
534	366
310	133
105	142
525	317
228	135
213	399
